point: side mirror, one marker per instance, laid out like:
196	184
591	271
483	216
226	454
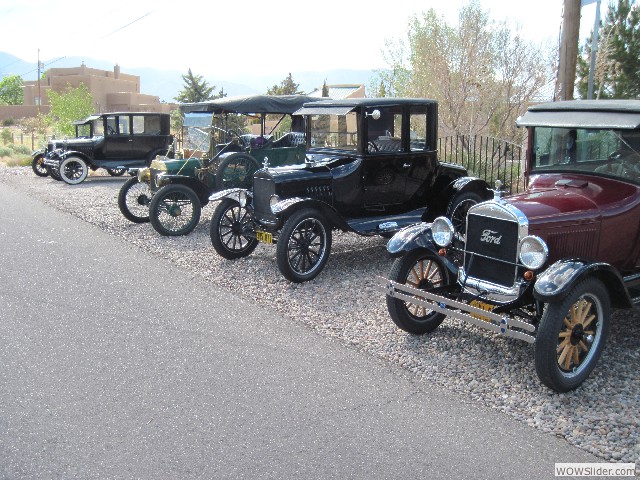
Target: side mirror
375	114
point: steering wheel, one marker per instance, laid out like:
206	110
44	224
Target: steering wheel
372	146
233	133
615	155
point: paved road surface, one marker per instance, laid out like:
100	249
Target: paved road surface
115	364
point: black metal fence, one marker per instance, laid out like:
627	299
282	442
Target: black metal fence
487	158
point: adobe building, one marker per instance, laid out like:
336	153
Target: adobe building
111	91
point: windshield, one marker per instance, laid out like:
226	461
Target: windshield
609	152
197	132
84	130
334	131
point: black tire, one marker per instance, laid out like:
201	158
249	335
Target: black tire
53	173
458	208
424	270
73	170
174	210
303	246
230	226
38	167
236	171
564	356
134	199
116	172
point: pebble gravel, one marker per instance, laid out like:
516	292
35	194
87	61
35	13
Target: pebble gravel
601	417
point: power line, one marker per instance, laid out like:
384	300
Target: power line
96	40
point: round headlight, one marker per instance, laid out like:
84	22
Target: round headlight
442	231
273	201
144	175
533	252
242	198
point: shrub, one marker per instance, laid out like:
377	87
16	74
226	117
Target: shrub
21	149
6	135
6	152
8	122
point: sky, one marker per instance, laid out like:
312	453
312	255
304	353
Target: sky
228	39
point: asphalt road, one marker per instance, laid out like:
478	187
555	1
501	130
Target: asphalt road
115	364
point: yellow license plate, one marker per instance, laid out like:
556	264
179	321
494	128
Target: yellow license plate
264	237
487	307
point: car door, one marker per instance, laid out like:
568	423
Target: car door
117	138
400	157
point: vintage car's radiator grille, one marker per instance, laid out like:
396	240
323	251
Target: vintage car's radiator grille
491	249
263	189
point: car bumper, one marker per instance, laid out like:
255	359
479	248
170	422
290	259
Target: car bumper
496	323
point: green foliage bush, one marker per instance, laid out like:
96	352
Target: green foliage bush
21	149
6	152
6	136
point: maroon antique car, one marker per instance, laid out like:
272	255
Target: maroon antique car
545	266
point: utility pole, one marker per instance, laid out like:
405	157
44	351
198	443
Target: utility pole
569	48
594	48
39	93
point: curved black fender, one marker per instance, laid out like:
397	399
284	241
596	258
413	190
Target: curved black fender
201	190
444	193
285	208
74	153
557	280
415	237
232	193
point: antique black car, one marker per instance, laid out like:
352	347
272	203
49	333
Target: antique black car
113	141
544	266
372	169
178	189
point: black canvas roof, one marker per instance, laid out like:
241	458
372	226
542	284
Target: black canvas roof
250	104
622	114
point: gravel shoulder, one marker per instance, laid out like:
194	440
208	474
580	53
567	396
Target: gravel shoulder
601	417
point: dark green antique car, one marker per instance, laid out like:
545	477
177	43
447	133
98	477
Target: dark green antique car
218	154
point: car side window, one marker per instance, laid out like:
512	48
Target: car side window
123	123
384	134
418	132
112	125
138	125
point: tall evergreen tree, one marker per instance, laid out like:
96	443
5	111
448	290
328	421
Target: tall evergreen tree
617	66
325	89
196	89
286	87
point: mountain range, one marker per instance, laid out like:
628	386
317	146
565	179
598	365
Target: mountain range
167	83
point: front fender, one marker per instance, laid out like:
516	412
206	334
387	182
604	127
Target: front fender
284	208
410	238
232	193
472	184
557	280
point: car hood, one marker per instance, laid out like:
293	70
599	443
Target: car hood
558	199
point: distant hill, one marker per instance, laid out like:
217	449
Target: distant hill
166	83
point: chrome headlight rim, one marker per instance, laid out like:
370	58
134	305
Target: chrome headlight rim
442	231
144	175
533	252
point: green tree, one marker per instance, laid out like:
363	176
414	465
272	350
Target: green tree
11	92
617	65
67	107
325	89
197	89
286	87
482	73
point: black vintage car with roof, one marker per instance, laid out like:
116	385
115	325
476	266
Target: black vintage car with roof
113	141
176	190
371	169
